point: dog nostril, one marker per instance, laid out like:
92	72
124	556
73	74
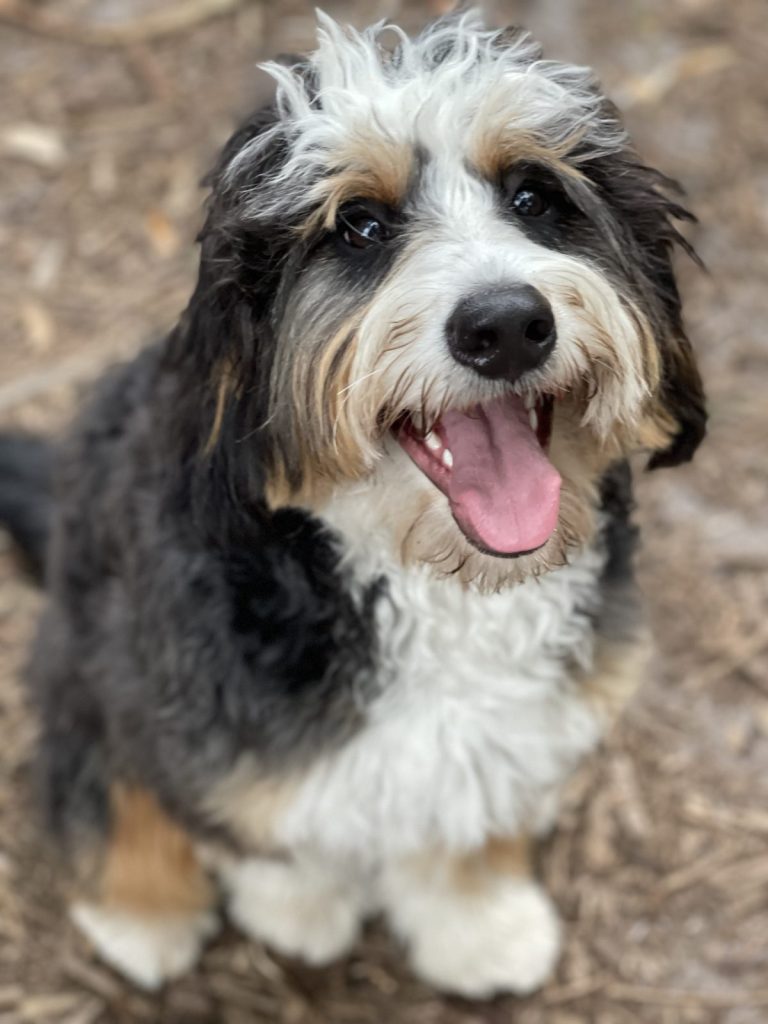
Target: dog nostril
538	331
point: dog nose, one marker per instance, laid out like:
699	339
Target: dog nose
504	333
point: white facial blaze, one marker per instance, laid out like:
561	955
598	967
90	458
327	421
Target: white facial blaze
461	246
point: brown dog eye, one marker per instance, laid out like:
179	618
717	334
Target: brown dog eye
360	229
529	201
362	234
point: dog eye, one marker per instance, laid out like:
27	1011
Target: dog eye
530	200
360	229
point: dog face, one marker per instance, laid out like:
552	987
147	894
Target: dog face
446	274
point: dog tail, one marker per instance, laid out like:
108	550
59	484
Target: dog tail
26	496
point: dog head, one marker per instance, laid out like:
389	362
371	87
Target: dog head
436	267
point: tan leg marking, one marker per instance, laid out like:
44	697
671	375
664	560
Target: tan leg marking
510	856
476	924
150	865
619	670
247	803
153	906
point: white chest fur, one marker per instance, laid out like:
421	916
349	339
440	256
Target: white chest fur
477	722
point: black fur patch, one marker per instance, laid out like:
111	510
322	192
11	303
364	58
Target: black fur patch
26	498
183	628
619	613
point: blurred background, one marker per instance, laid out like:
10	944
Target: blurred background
110	112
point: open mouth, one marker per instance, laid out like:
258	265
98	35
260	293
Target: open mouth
491	463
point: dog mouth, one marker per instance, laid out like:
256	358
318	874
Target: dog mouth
491	463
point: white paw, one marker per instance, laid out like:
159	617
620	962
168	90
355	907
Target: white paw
297	910
148	951
508	941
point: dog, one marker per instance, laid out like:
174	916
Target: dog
340	572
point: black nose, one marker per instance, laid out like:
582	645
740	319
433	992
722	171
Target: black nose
504	333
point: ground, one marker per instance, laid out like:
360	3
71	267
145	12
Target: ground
660	865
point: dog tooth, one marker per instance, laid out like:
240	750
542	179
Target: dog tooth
529	401
533	419
447	459
433	442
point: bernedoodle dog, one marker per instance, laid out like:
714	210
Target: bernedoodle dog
339	573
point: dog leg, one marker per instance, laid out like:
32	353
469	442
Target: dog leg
620	669
300	908
154	905
475	925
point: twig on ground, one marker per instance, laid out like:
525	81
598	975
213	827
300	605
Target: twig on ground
680	997
748	819
739	659
578	989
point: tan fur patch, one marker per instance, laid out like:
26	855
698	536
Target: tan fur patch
494	151
225	387
681	390
499	856
150	866
369	167
619	670
657	427
326	414
247	803
470	873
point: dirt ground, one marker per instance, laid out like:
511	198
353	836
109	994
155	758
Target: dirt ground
110	111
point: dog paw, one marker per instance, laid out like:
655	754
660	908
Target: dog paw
147	951
296	911
509	942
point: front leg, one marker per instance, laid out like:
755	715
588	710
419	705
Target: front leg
476	924
300	907
152	907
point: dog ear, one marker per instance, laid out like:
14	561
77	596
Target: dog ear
679	404
681	401
647	209
223	347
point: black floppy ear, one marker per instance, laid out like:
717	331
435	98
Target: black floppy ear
223	346
647	208
680	405
681	400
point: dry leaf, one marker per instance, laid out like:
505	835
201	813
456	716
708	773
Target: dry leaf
162	234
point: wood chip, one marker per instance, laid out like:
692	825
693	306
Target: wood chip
37	324
35	143
680	997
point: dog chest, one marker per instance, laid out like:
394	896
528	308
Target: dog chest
475	721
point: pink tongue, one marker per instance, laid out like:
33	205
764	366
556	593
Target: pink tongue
504	491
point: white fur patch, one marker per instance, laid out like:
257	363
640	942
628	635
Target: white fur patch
477	720
149	951
300	909
505	937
